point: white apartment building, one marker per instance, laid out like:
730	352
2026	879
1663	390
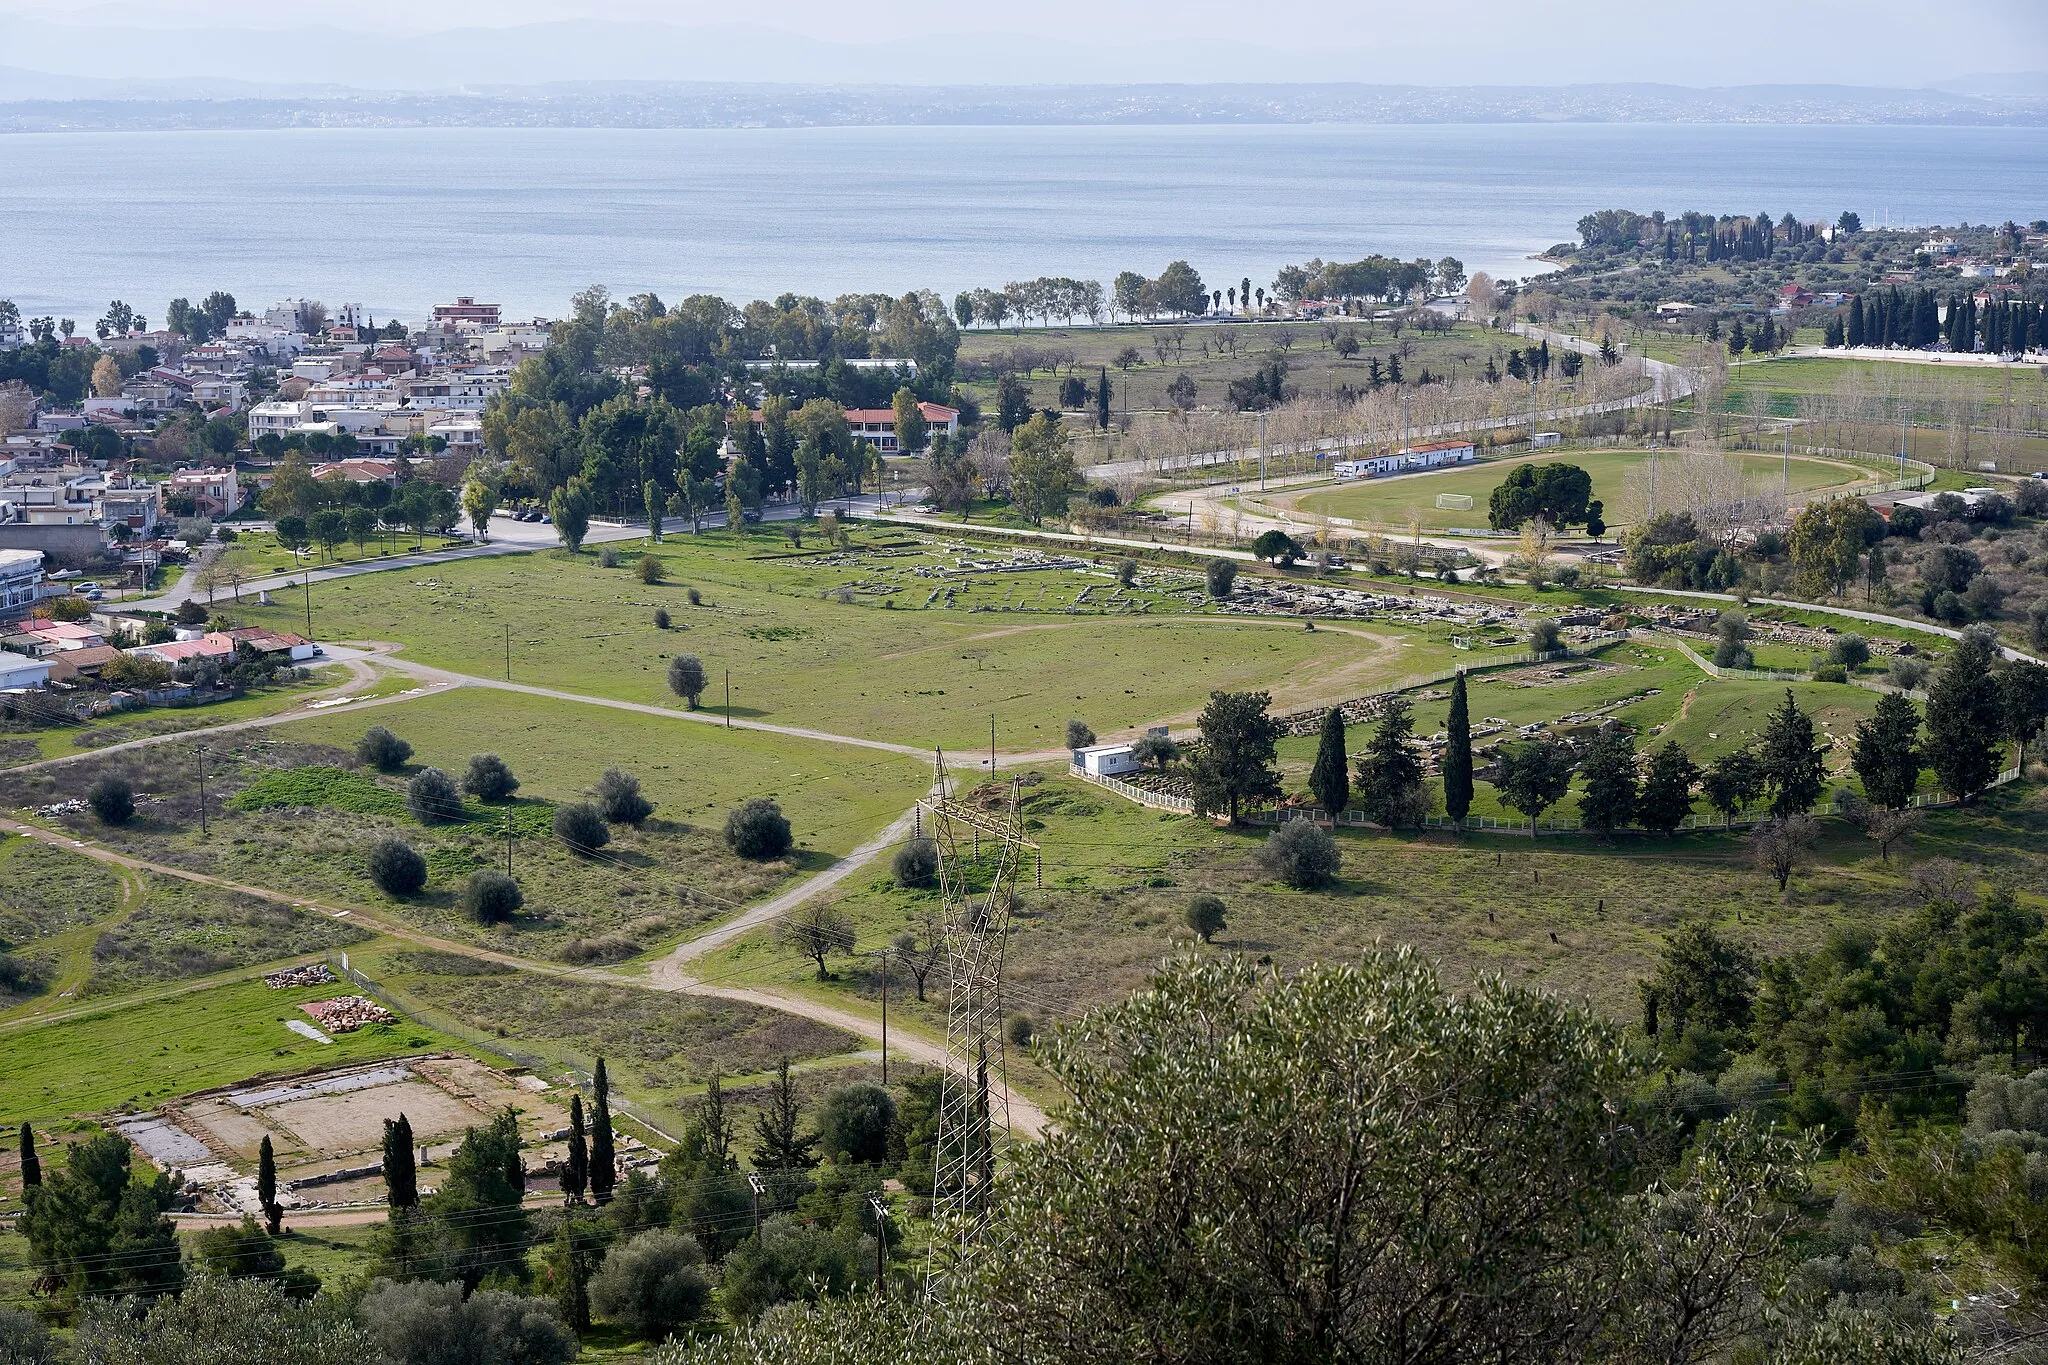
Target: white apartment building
468	390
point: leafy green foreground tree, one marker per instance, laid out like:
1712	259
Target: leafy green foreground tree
1352	1163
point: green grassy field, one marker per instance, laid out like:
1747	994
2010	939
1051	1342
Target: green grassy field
256	554
1399	501
883	665
1118	877
128	1054
288	812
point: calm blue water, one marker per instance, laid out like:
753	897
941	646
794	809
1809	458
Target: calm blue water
400	219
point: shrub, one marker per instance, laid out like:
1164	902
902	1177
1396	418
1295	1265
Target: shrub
696	597
24	1340
1301	854
1851	651
397	867
432	798
1544	637
382	750
422	1323
686	678
1127	572
661	618
1833	673
1205	916
1079	736
608	557
791	1261
652	1285
619	799
491	897
488	779
917	864
191	613
581	826
854	1123
1907	673
758	830
1019	1029
1221	575
112	798
650	569
601	950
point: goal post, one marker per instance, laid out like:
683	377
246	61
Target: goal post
1454	502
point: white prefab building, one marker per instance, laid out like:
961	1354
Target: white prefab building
1545	438
1106	760
1369	468
1440	454
18	671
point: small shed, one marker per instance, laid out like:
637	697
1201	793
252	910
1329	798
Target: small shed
19	671
1106	760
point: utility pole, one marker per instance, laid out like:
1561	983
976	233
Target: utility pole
309	604
201	751
728	698
881	1245
883	954
508	841
991	744
758	1186
508	652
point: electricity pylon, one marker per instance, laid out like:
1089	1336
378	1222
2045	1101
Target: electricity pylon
974	1105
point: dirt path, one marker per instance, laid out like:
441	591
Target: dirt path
1026	1117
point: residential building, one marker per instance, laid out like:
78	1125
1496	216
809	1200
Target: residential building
264	641
224	392
278	418
464	435
215	492
21	582
212	645
482	316
40	636
465	390
358	471
878	425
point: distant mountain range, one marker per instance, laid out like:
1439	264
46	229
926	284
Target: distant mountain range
34	101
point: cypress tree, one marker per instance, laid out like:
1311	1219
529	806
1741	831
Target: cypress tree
31	1164
401	1164
576	1169
1856	320
1458	754
1102	398
1330	779
266	1186
603	1167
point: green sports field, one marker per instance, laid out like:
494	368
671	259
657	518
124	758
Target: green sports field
1397	501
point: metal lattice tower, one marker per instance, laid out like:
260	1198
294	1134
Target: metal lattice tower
974	1107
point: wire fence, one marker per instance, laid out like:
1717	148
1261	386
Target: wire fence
1143	796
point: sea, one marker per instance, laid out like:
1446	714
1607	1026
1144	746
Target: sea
397	220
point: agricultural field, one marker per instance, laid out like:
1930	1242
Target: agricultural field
1406	499
860	641
1214	354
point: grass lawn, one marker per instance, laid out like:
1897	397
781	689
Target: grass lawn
293	812
897	664
1400	500
256	554
1117	880
29	745
127	1056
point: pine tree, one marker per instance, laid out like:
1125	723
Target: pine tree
603	1165
1963	723
31	1164
1389	773
1609	768
778	1143
1330	779
1887	752
1458	754
576	1167
1793	768
1666	798
266	1186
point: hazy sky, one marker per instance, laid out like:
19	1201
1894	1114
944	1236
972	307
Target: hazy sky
1900	42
